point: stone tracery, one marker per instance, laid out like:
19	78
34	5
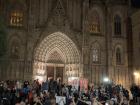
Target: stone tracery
59	43
56	49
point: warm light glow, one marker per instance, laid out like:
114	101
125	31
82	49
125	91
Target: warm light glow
40	78
106	79
71	72
16	18
72	78
42	72
136	74
136	77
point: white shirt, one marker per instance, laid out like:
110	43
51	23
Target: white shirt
60	100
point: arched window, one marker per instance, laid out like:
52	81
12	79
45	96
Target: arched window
15	51
118	56
14	48
16	18
95	56
95	51
117	25
94	23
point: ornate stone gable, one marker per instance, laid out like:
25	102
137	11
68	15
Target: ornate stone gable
58	17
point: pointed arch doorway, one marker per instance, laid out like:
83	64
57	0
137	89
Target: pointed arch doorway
56	56
55	65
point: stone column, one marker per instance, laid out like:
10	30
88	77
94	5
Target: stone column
55	72
109	42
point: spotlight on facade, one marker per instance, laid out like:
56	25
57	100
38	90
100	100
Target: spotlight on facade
106	80
136	74
40	78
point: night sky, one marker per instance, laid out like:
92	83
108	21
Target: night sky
136	3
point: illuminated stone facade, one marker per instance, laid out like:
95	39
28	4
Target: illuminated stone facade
76	36
136	46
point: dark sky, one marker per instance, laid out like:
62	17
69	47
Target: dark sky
136	3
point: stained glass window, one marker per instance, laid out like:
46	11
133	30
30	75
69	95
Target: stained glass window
95	55
94	23
117	25
16	18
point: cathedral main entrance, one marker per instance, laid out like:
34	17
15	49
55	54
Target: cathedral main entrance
56	57
55	73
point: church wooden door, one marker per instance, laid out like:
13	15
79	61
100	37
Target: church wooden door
59	73
55	72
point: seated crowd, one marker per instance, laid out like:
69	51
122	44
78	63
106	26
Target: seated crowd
54	93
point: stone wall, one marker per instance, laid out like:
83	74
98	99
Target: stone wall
71	17
136	45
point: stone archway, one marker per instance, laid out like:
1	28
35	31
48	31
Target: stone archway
56	51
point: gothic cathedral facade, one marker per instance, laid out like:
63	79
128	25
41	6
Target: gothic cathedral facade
66	38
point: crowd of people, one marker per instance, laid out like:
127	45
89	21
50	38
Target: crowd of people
135	90
55	93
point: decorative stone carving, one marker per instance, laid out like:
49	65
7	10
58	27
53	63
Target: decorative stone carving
58	18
